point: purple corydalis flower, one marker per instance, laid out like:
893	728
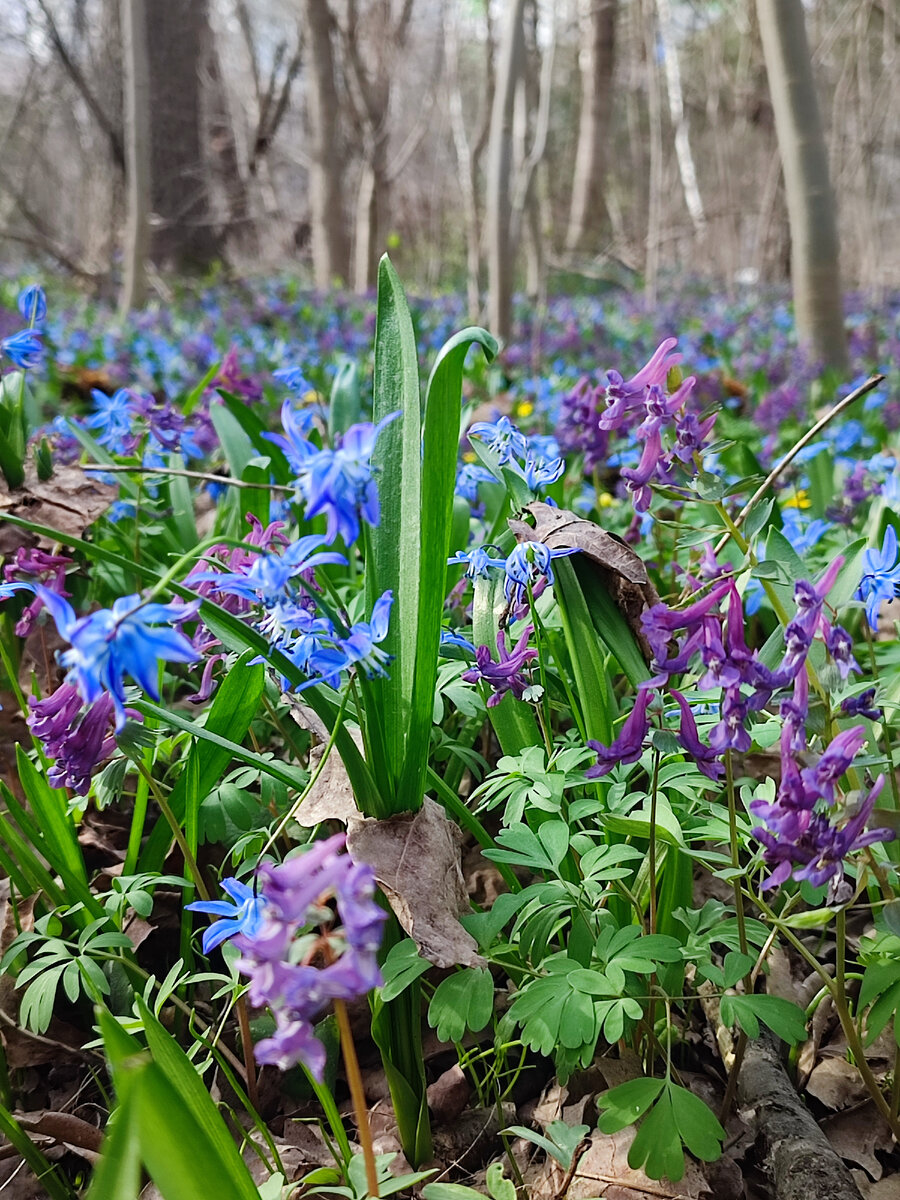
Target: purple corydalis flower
862	705
505	673
625	395
689	739
78	739
290	898
50	569
629	745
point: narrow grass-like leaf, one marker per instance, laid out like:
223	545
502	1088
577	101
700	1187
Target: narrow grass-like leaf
588	662
48	804
54	1183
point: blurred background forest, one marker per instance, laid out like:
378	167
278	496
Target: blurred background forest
637	139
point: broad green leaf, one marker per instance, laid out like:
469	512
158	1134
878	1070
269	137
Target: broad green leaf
657	1144
697	1125
785	1019
401	966
623	1105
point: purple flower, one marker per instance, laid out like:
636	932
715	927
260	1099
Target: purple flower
629	745
704	756
50	569
731	732
296	980
840	647
862	705
505	674
78	741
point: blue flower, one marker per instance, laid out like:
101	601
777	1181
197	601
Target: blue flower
881	576
113	417
802	538
110	643
449	637
293	378
478	562
361	644
268	577
468	477
538	472
32	303
501	436
25	348
296	422
529	564
244	916
340	482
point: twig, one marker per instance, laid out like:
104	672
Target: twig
838	408
580	1150
228	480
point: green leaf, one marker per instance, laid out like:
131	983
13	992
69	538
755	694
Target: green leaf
463	1001
784	1018
234	440
53	1181
623	1105
657	1143
117	1175
450	1191
498	1185
59	839
401	967
345	408
697	1126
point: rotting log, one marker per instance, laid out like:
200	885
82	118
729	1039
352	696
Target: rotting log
798	1157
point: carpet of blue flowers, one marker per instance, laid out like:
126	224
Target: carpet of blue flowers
370	742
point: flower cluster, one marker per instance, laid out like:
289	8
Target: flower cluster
131	638
527	457
504	674
529	565
77	737
294	971
642	407
797	836
278	587
338	482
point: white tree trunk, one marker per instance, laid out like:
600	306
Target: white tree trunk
815	267
683	155
499	175
596	60
137	152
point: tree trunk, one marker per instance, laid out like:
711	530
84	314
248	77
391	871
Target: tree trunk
183	238
330	248
686	169
597	29
370	203
241	231
137	152
500	156
815	270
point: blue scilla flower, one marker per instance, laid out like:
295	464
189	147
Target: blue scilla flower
340	482
501	436
478	562
296	423
529	565
25	348
113	418
293	378
450	637
802	537
109	644
32	303
539	473
361	643
268	577
881	576
468	477
244	916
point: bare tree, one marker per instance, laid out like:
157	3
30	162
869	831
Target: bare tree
686	169
183	237
510	68
330	244
596	62
815	270
137	151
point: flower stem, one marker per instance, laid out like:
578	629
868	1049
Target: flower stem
190	861
240	1006
354	1079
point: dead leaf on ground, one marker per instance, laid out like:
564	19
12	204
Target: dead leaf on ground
70	501
415	857
71	1131
623	571
836	1083
449	1094
857	1134
603	1171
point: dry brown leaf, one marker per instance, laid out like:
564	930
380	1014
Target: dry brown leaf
64	1127
836	1083
415	857
857	1134
603	1171
449	1094
622	570
70	501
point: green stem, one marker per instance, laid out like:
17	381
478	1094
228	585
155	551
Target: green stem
190	861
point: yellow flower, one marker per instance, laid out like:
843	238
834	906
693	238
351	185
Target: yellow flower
605	500
524	408
469	456
799	500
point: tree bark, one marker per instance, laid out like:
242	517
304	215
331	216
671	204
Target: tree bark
596	62
183	238
330	244
686	169
797	1155
815	268
137	152
499	176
